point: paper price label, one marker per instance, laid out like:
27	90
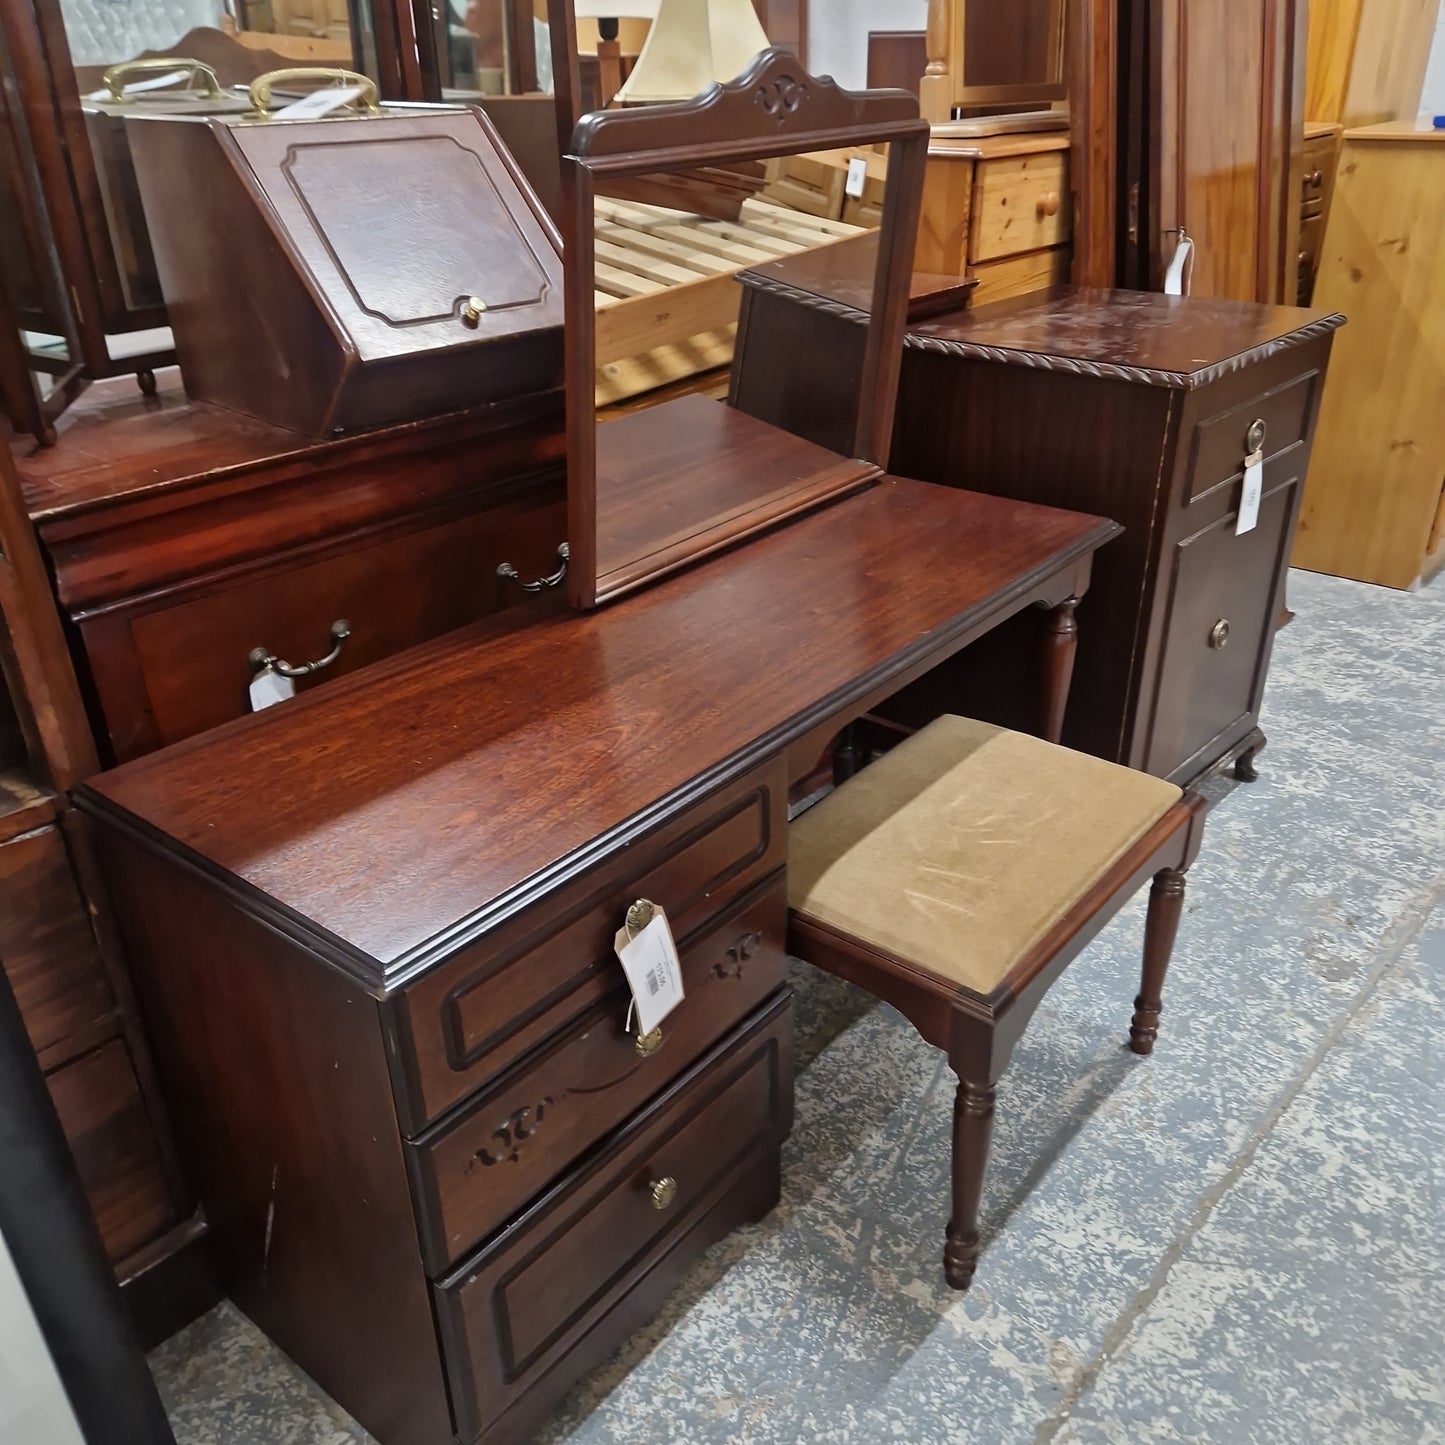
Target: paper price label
318	103
268	688
651	964
857	177
1249	498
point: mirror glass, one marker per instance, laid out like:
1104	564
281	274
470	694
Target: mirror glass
1012	54
693	290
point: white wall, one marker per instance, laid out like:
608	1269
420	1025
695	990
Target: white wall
838	33
1432	99
101	32
33	1407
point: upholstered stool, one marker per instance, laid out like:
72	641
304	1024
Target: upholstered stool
959	875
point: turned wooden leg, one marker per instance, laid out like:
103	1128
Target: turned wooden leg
1060	645
972	1132
1166	903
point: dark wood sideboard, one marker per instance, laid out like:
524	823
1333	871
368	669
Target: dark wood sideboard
1127	403
439	1170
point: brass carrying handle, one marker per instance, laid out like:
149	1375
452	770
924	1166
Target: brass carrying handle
262	86
261	658
508	573
115	78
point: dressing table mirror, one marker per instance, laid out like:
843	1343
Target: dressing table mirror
685	188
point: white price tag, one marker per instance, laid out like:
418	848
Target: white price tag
138	87
318	103
857	176
1181	268
1249	498
268	688
651	964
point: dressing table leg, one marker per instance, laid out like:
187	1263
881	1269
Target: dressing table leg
1060	644
846	755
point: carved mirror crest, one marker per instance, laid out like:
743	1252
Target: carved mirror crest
676	218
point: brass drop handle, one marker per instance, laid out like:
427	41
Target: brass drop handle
1219	633
648	1044
508	573
662	1191
261	658
1048	205
263	85
115	78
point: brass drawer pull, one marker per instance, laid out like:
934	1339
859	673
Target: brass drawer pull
507	573
1219	633
1315	180
648	1044
261	658
662	1192
473	309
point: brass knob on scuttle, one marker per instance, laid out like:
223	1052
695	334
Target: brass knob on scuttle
648	1044
1219	633
662	1192
472	309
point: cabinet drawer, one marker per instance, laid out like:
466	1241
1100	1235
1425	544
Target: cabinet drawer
526	1131
1018	275
48	950
465	1022
167	670
1020	203
1220	444
1222	611
548	1284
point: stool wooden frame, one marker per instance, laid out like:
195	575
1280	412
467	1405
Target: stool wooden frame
980	1031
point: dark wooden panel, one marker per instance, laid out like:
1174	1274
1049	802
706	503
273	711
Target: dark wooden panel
463	1024
186	664
896	59
502	759
514	1314
110	1134
49	951
276	1073
541	1118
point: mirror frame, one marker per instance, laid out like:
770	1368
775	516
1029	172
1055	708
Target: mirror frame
775	108
944	86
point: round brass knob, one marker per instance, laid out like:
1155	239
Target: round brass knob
662	1192
648	1044
1315	180
1048	205
1219	633
472	309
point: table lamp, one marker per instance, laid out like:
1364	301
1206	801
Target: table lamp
693	43
609	53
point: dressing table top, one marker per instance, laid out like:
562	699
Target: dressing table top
437	792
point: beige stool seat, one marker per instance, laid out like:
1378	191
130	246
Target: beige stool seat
962	847
959	875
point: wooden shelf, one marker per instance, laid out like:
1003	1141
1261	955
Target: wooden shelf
24	805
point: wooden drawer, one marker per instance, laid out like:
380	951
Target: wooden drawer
167	668
1018	275
49	951
544	1115
1205	690
536	1302
1020	203
112	1139
1220	444
462	1024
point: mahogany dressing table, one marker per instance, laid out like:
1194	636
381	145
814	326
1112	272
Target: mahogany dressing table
372	936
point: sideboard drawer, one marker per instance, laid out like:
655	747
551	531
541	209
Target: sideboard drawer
167	668
647	1205
1220	442
1212	674
1020	203
544	1115
464	1023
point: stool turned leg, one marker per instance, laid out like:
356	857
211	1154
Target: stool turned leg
972	1131
1166	903
1061	644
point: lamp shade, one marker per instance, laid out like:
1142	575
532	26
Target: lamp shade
693	43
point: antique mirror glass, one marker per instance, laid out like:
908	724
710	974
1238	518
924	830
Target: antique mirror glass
983	57
684	222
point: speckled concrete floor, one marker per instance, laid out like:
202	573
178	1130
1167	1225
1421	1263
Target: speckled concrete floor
1236	1241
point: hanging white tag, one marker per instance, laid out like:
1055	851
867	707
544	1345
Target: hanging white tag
857	176
1181	268
651	964
317	104
1249	498
268	688
137	87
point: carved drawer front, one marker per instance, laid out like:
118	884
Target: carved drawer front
183	668
1222	612
638	1213
49	952
465	1022
1020	203
544	1115
1222	441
